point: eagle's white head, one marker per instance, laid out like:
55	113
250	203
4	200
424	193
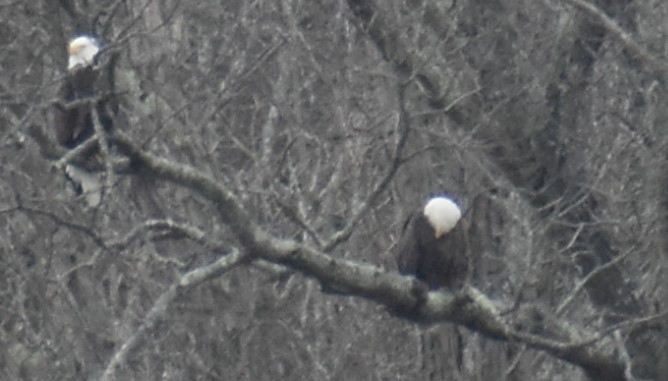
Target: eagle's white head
443	213
82	51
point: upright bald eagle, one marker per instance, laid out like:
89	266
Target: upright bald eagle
433	245
74	123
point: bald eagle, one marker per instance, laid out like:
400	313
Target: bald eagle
433	245
73	122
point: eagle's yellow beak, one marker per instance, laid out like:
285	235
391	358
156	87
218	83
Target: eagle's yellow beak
74	48
439	233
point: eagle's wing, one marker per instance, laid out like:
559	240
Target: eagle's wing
74	125
437	262
406	248
453	261
64	119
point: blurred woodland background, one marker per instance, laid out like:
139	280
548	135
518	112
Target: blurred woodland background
324	124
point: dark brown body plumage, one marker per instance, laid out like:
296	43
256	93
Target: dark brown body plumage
439	262
74	124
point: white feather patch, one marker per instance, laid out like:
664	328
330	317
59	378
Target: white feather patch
443	214
82	51
90	184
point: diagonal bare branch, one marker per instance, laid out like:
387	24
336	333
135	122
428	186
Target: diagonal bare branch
401	294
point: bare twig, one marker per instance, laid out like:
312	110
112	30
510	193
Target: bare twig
471	309
402	134
625	38
162	305
101	136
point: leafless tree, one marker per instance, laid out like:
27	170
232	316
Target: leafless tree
265	156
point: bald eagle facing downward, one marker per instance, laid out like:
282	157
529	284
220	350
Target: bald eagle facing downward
74	124
433	245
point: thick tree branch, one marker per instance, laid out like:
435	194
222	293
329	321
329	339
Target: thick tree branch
101	137
622	36
49	149
161	307
404	295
